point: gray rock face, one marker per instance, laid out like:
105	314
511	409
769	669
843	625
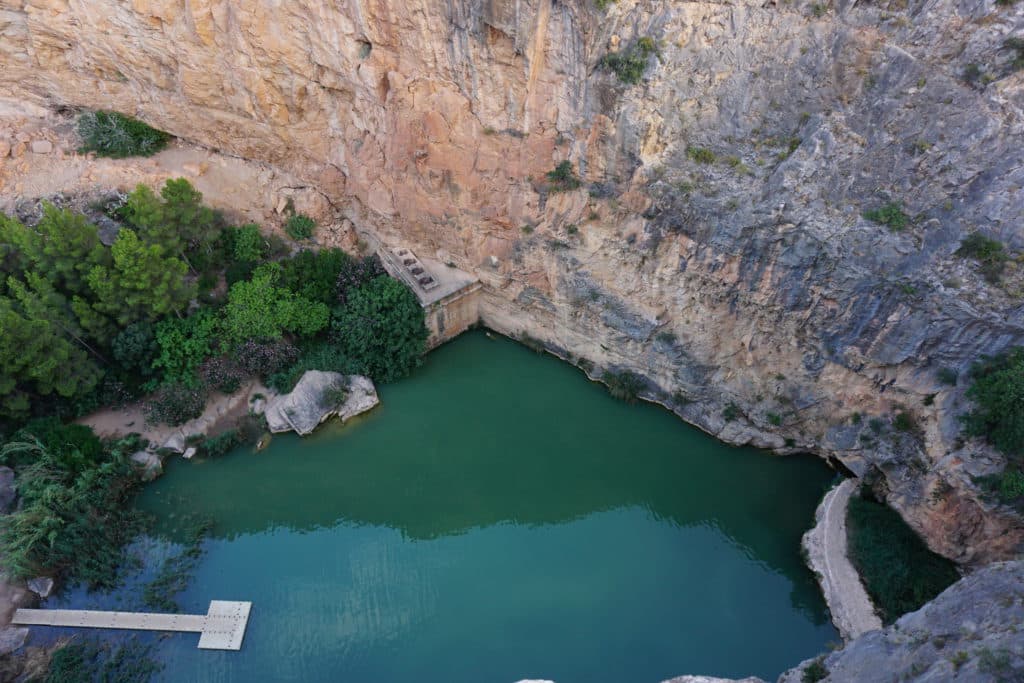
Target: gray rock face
971	632
41	586
311	402
12	638
8	492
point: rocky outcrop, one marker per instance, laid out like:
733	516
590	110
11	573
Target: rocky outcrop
971	632
716	246
318	396
825	546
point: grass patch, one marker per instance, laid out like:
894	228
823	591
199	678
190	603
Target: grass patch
110	134
897	569
702	155
890	215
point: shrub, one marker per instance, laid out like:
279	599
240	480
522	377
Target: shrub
314	275
629	64
176	403
222	374
300	227
624	385
815	671
259	309
562	178
1017	45
215	446
897	569
774	419
989	253
184	344
603	4
325	357
997	390
381	329
890	215
905	422
111	134
355	273
731	412
1007	486
265	358
948	376
247	243
701	155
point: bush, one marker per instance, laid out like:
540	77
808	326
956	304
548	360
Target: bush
948	376
300	227
382	329
184	344
731	412
176	403
1007	486
890	214
314	275
265	358
629	64
815	671
325	357
989	253
222	374
897	569
111	134
625	385
562	179
355	273
215	446
997	390
247	244
260	309
774	419
701	155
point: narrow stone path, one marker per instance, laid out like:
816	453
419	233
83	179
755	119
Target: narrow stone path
852	611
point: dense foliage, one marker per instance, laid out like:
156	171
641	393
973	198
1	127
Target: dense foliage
897	569
72	519
989	253
381	329
997	390
300	226
111	134
629	64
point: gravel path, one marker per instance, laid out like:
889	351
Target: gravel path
852	611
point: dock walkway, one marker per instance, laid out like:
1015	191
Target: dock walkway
221	628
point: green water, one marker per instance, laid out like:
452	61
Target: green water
499	517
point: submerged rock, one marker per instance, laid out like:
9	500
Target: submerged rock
314	399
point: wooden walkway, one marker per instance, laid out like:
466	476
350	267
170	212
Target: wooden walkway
221	628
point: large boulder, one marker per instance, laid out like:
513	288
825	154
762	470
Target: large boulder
148	464
315	399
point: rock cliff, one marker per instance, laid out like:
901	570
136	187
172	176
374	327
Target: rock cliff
716	245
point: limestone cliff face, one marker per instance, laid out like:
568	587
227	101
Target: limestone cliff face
751	281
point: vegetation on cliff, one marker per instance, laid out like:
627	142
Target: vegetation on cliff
896	567
997	390
110	134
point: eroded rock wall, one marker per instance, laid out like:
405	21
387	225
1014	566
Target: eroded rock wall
752	281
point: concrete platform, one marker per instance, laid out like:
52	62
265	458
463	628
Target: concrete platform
221	628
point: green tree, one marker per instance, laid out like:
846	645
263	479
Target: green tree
248	243
382	329
314	274
259	309
176	220
144	283
36	359
63	247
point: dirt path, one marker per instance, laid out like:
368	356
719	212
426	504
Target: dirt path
852	611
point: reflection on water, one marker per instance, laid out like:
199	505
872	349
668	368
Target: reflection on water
499	518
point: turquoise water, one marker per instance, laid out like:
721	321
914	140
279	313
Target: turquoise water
497	518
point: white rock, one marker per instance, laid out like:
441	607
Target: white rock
42	146
41	586
175	443
189	453
149	463
305	407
